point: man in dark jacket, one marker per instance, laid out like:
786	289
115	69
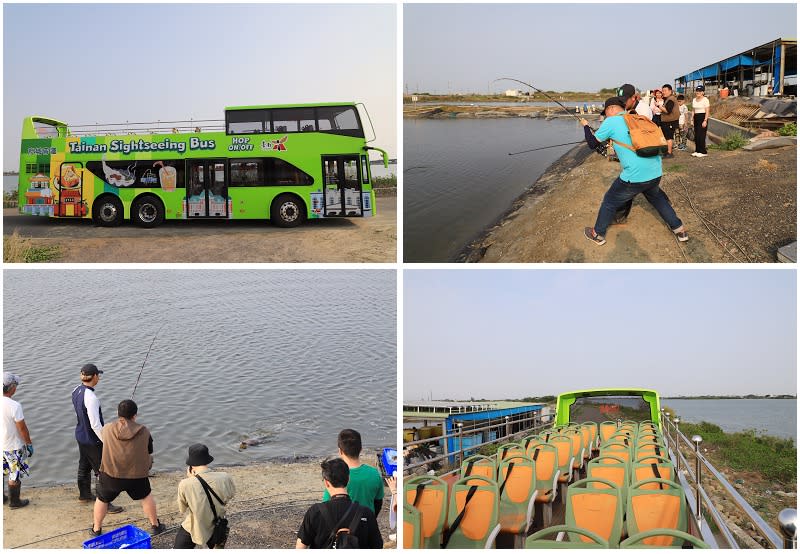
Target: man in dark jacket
126	462
88	433
323	520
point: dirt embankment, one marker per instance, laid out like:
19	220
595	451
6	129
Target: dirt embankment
738	206
371	239
271	499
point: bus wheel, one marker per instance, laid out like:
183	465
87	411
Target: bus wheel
287	211
147	211
107	211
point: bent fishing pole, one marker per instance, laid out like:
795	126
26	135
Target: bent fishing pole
599	150
145	360
539	91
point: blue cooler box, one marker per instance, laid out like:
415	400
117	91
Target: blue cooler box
389	461
124	537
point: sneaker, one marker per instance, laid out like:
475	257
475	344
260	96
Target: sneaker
114	509
93	533
589	233
694	154
87	498
669	155
157	529
683	236
700	155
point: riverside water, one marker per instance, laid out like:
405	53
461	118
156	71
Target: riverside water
458	177
769	417
291	356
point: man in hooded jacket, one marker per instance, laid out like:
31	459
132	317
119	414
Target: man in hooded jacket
127	449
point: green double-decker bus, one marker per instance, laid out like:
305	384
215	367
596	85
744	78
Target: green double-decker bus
285	163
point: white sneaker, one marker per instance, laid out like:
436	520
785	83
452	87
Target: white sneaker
694	154
699	155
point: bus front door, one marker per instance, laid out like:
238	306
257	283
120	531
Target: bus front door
207	190
342	190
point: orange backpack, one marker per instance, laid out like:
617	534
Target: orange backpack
646	136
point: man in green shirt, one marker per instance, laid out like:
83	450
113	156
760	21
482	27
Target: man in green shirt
366	484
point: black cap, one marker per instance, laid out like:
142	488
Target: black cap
700	87
614	101
90	369
626	91
199	456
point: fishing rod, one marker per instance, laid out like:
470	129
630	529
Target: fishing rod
539	91
145	360
600	150
545	147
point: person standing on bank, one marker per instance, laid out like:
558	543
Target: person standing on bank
365	485
639	175
17	444
126	463
197	528
670	114
88	433
701	108
324	519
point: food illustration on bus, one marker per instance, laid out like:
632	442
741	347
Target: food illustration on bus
39	197
167	175
119	177
70	178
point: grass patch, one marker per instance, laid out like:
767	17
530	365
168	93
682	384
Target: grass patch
734	141
788	130
389	181
18	250
773	457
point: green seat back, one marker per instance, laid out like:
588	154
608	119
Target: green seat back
480	516
649	509
412	527
594	509
516	480
432	505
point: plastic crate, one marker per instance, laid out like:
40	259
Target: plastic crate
389	460
124	537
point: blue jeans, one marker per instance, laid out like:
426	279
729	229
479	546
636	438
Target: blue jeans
623	191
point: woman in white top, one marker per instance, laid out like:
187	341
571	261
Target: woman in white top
701	108
656	104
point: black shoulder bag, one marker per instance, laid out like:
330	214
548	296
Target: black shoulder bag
219	536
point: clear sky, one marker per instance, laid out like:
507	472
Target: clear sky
578	47
499	334
86	63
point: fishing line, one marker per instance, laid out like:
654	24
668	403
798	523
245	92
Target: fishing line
145	360
545	147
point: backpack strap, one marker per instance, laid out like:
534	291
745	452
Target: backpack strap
457	520
329	518
209	492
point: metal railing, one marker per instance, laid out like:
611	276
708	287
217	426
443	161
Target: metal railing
146	127
532	424
698	497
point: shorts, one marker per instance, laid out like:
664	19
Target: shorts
15	464
109	488
669	129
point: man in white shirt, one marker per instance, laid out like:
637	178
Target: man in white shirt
89	433
17	444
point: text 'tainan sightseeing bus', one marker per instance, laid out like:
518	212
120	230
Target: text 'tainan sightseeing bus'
284	163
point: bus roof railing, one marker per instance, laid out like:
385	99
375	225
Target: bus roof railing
147	127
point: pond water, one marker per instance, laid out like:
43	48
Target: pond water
458	177
291	356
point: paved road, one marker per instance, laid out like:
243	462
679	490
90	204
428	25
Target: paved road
336	240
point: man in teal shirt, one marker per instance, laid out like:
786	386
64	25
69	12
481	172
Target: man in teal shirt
639	175
366	484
